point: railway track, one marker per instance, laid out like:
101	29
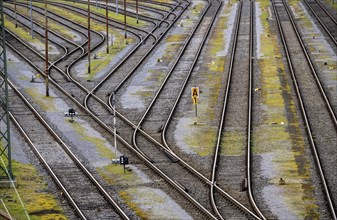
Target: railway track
97	101
324	17
177	187
230	171
168	180
68	172
162	159
168	88
318	116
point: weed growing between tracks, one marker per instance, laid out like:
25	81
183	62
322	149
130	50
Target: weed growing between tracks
44	102
33	191
103	59
23	33
89	135
41	20
277	139
201	138
101	11
320	50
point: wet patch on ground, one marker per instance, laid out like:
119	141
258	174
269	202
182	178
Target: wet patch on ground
151	203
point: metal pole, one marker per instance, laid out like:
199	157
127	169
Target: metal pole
115	133
125	20
137	10
16	21
89	37
5	133
31	20
116	7
107	28
46	44
196	110
96	5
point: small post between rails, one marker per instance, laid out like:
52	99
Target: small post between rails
195	97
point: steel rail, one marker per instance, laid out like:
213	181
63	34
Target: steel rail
66	54
249	120
224	107
78	10
182	51
312	68
126	144
326	11
70	153
190	168
123	62
111	20
217	148
47	167
321	22
164	176
73	51
163	4
154	141
145	18
303	110
166	149
82	55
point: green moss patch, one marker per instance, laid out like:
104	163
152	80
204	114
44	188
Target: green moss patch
202	139
99	142
112	15
103	59
233	143
45	103
33	191
127	196
52	25
22	32
114	174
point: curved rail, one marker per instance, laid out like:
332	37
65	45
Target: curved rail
123	61
170	181
223	113
249	120
170	72
72	155
142	132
